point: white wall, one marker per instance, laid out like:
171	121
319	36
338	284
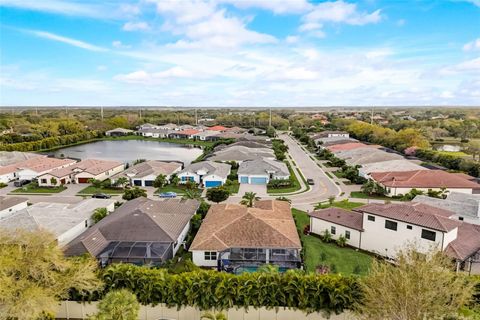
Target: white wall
181	238
189	174
102	176
7	177
7	212
378	239
397	191
48	177
198	258
27	174
319	226
213	177
74	232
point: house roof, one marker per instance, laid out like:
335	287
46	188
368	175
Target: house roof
423	179
149	167
211	167
467	242
12	157
8	202
325	134
461	203
156	130
123	130
269	224
349	219
140	219
241	153
263	166
218	128
43	164
383	166
188	132
92	166
57	218
207	133
349	146
415	213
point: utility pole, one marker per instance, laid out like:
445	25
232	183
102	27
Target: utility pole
270	120
101	112
140	113
36	111
66	111
196	117
371	117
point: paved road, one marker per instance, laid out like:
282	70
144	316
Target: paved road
323	187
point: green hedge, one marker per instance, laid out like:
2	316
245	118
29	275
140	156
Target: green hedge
52	142
220	290
450	161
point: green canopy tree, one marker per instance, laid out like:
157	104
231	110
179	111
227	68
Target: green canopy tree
35	275
133	193
217	194
160	181
419	286
249	199
192	194
121	182
118	305
99	214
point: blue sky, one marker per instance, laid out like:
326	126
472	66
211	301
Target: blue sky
240	52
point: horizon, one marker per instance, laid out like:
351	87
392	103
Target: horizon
228	54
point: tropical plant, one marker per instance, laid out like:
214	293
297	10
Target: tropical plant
138	161
373	188
35	275
160	181
249	199
419	286
53	181
284	199
121	182
133	193
174	180
217	194
213	316
192	194
203	208
326	236
118	305
331	200
341	241
99	214
95	183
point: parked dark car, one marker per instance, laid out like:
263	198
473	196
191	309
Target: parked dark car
101	196
167	195
21	183
310	181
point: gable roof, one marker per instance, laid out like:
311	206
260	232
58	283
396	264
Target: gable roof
384	166
218	128
241	153
269	224
8	202
187	132
415	213
147	168
140	219
93	166
423	179
461	203
211	167
11	157
349	219
263	166
43	164
123	130
467	242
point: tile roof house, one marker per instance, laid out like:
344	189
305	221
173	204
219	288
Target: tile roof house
388	165
218	128
207	173
183	134
383	229
9	205
81	172
33	168
117	132
261	171
233	236
155	132
141	231
144	174
349	146
241	153
11	157
361	156
402	182
65	221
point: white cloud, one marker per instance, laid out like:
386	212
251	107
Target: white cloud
337	12
69	41
101	68
145	77
472	45
136	26
292	39
119	45
277	7
401	22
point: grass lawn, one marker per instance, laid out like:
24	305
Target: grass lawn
295	187
179	189
344	259
233	188
33	188
454	153
362	195
92	190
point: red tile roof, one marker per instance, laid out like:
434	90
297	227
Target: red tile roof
423	179
415	213
188	132
218	128
349	219
467	242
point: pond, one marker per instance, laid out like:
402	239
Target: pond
131	150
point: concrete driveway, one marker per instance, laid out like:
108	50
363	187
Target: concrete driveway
323	188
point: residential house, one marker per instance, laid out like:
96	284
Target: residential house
384	166
465	206
207	173
9	205
183	134
349	146
234	237
141	231
371	154
322	143
155	132
331	134
118	132
261	171
81	172
207	135
384	229
33	168
12	157
144	174
169	126
218	128
147	126
402	182
65	221
241	153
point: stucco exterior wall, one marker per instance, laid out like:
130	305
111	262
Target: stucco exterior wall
319	226
198	258
9	211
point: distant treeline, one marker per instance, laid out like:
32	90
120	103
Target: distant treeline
451	162
52	142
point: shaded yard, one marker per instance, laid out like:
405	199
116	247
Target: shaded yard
34	188
92	190
316	252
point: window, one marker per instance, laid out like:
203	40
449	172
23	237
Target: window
429	235
86	223
371	218
333	230
210	255
347	235
392	225
44	180
460	218
279	252
409	227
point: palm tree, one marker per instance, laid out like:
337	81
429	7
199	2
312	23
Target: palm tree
121	182
160	181
174	180
192	194
211	316
249	199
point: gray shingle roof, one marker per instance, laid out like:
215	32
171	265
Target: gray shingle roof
460	203
263	166
241	153
7	202
140	219
211	167
146	168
